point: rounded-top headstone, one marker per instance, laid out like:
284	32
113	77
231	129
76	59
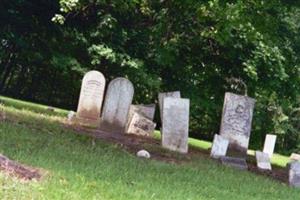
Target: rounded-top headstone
117	102
91	96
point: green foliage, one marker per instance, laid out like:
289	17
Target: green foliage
202	48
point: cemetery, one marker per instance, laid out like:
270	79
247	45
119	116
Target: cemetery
149	100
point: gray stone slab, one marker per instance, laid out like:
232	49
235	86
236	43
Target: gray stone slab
294	173
269	145
91	96
117	102
147	110
236	123
238	163
175	126
295	156
161	96
263	160
219	146
141	125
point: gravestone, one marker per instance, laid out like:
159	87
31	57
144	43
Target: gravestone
71	116
91	96
295	156
294	173
219	147
161	96
263	160
238	163
141	125
147	111
175	126
117	102
236	123
269	145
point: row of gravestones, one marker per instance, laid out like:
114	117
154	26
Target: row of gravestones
118	115
232	144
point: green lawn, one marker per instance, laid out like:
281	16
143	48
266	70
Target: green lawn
77	169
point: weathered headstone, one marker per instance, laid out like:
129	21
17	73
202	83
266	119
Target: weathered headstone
269	145
219	146
236	123
294	173
295	156
161	96
238	163
147	111
141	125
175	126
117	102
263	160
91	96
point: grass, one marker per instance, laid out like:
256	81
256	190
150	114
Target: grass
77	169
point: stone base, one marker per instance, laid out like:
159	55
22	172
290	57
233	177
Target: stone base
111	128
86	122
237	163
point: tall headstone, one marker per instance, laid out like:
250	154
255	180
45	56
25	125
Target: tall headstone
236	123
294	173
263	160
175	126
219	146
269	145
161	96
117	102
91	96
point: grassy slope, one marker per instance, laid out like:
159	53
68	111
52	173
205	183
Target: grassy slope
79	170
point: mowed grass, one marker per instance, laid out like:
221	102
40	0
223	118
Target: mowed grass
76	168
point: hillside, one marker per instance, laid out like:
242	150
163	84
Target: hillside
76	166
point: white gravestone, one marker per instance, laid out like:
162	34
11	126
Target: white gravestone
219	146
141	125
236	122
91	96
175	126
117	102
269	145
161	96
294	173
263	160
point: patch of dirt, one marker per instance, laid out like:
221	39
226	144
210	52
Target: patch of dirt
134	143
18	170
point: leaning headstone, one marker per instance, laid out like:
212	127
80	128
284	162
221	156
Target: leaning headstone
236	123
147	111
175	126
294	173
117	102
91	97
161	96
295	156
219	146
238	163
141	125
269	145
263	160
